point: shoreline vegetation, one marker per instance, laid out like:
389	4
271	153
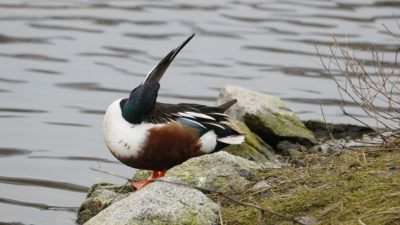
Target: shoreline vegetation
351	187
287	171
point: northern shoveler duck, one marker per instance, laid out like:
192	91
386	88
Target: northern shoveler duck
145	134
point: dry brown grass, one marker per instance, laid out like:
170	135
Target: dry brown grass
355	187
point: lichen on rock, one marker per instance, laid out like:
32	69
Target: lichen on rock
253	148
99	197
251	102
266	115
221	170
160	203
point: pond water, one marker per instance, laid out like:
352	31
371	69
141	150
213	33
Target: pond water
63	62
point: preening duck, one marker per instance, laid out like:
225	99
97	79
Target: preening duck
145	134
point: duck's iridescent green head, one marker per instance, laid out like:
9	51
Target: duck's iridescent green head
142	99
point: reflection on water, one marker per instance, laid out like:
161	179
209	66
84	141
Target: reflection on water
63	62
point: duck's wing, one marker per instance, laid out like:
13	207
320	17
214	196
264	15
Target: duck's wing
201	117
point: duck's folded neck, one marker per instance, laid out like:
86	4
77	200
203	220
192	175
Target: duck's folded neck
140	102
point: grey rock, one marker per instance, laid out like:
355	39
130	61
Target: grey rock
261	185
308	220
160	203
99	197
221	170
251	102
266	115
165	203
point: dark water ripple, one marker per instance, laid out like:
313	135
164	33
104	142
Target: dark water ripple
9	152
67	124
32	56
11	223
43	71
43	183
64	28
153	36
4	39
125	50
19	110
11	81
90	86
74	158
119	70
96	54
41	206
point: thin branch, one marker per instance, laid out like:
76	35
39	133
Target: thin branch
360	220
390	32
221	221
109	173
377	95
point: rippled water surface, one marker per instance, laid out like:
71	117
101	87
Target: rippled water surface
63	62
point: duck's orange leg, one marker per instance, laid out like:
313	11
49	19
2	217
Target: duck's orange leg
154	175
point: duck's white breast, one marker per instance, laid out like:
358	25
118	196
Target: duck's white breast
123	139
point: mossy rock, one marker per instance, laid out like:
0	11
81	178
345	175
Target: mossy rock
253	148
160	203
99	197
273	128
221	170
266	115
250	102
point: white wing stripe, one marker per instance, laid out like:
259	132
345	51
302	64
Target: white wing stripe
233	140
200	115
184	114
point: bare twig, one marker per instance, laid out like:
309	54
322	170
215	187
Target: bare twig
221	221
360	220
111	174
376	93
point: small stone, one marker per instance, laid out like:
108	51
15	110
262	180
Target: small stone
366	138
261	185
285	146
315	149
308	220
292	150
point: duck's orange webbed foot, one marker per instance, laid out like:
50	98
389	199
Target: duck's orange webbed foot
140	184
154	175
